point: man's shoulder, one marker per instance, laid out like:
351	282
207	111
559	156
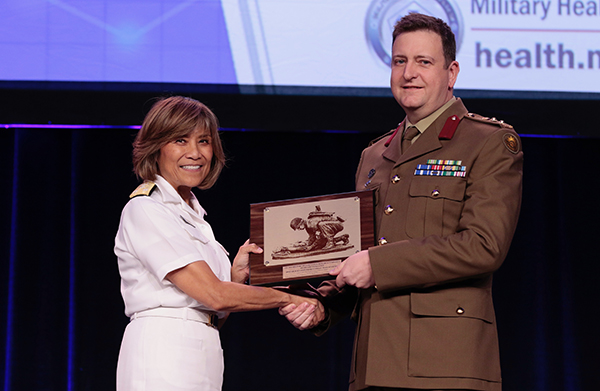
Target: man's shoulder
490	128
481	121
383	138
473	120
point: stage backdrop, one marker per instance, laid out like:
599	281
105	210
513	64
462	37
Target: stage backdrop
62	190
303	46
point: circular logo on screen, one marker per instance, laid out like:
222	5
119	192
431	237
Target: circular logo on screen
382	15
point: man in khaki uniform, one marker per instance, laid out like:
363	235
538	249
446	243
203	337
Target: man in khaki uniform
448	192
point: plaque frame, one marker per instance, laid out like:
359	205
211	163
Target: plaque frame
309	269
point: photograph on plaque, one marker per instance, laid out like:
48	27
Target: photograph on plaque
304	239
311	231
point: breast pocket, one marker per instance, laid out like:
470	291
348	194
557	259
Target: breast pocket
210	251
194	233
435	206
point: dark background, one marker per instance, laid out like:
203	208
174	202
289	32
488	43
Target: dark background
62	190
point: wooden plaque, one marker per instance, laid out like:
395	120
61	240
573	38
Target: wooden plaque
303	239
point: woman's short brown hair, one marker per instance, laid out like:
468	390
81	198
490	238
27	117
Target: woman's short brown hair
168	119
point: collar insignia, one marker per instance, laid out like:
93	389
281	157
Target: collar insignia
449	128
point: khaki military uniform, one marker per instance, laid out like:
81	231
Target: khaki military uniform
446	212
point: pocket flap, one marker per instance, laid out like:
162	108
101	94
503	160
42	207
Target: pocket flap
466	302
195	233
450	188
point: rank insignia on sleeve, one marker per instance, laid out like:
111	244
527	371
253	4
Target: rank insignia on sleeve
145	189
511	143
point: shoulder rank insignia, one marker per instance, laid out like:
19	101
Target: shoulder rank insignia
145	189
511	142
489	120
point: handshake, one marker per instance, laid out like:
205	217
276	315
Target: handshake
307	309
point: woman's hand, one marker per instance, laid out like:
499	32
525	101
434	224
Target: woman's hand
240	270
304	313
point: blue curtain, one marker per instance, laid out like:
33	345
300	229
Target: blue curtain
62	191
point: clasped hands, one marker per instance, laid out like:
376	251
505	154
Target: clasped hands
355	271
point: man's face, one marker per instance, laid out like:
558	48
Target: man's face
420	81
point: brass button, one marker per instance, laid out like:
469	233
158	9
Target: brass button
395	179
435	193
460	311
382	241
388	210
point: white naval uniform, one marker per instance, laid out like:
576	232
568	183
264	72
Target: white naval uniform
160	233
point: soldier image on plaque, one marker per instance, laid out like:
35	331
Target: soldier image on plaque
322	228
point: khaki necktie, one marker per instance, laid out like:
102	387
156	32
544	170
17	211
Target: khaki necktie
409	134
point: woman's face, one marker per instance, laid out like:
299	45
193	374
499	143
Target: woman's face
185	162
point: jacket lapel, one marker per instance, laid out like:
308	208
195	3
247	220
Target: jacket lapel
392	151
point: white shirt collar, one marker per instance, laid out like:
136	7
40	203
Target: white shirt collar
170	195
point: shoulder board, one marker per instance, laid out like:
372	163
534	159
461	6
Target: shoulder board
382	136
145	189
488	120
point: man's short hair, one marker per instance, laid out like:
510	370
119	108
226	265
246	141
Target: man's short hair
416	22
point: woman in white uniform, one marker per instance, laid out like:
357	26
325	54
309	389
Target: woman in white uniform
177	281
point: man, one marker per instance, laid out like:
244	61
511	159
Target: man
447	196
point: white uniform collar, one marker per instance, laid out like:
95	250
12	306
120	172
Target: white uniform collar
170	195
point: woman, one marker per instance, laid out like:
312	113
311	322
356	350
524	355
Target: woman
176	279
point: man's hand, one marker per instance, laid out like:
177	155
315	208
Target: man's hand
355	270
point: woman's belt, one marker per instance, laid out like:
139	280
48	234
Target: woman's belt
186	313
